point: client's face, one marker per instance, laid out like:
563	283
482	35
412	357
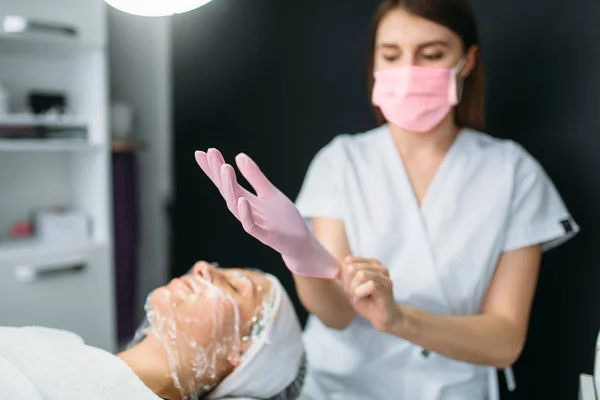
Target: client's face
204	321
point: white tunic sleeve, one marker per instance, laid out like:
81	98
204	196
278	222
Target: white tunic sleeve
537	213
320	194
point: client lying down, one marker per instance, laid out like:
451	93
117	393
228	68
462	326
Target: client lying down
211	334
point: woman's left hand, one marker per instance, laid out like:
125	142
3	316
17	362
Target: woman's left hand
369	286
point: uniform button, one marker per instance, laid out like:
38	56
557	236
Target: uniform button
425	353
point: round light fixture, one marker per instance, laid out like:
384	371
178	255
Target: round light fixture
156	8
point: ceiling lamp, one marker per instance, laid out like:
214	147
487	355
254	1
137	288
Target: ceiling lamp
156	8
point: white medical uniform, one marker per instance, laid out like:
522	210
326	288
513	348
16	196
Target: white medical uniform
488	196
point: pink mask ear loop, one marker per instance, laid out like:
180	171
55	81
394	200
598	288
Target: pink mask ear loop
455	92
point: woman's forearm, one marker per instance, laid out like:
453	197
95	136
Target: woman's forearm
326	299
478	339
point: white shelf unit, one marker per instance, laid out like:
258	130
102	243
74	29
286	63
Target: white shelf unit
70	285
88	17
51	121
54	145
19	250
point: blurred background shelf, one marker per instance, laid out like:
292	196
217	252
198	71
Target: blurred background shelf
49	145
24	119
43	45
13	251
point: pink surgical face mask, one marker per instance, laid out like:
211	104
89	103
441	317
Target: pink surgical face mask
416	98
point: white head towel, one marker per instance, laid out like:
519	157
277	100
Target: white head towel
273	360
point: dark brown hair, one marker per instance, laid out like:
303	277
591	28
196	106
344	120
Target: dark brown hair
457	16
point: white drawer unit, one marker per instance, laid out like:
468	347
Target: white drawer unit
71	291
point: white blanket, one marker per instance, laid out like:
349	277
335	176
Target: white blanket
49	364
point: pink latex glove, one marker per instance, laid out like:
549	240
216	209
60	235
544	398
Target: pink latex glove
269	216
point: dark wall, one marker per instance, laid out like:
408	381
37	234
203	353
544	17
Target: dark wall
278	80
542	62
272	80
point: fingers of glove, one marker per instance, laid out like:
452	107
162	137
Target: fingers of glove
216	160
202	161
231	190
253	174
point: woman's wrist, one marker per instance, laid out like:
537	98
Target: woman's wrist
405	324
326	299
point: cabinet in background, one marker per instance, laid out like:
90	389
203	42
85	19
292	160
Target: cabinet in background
64	285
87	17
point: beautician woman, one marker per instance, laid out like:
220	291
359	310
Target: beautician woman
421	257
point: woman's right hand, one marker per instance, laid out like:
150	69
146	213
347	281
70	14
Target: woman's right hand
269	216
